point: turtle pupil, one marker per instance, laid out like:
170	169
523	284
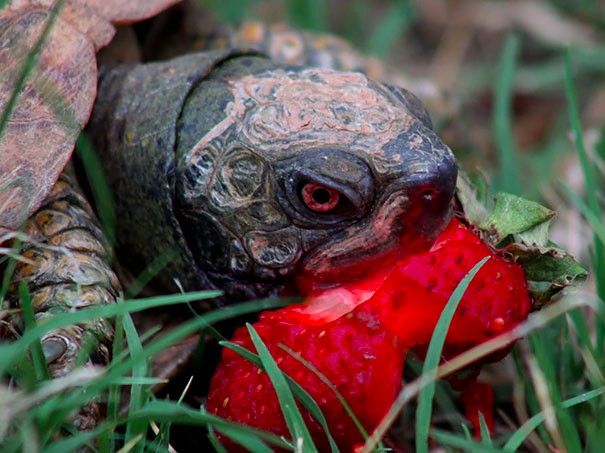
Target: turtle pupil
321	196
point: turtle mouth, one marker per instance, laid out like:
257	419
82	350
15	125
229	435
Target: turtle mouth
310	282
365	249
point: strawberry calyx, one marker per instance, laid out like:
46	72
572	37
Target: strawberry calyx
519	229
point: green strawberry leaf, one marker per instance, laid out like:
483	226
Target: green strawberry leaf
520	228
513	215
548	270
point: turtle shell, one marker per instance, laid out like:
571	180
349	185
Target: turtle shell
134	128
47	89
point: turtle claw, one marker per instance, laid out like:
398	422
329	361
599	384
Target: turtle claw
62	350
53	348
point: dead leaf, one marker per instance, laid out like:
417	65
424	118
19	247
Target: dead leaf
125	12
58	95
54	104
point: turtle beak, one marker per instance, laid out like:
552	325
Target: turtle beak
430	187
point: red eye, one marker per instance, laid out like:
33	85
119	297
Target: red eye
320	198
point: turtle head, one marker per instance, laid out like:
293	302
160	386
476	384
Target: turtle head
305	171
256	174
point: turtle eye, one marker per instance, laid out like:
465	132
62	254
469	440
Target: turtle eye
320	198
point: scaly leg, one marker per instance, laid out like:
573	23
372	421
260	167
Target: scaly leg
67	269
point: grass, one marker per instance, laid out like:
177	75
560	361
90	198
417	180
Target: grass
299	392
554	397
433	357
594	209
508	179
301	437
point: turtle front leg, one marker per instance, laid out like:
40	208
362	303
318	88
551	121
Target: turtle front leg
66	268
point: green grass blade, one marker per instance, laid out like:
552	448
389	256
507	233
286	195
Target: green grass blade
145	380
138	393
154	268
300	433
486	437
581	330
299	392
106	440
169	411
567	427
595	222
579	322
98	185
308	14
131	444
230	12
516	440
117	370
466	432
592	188
444	399
249	442
216	444
463	444
9	271
433	356
27	311
508	179
9	353
341	399
73	442
88	345
574	120
392	25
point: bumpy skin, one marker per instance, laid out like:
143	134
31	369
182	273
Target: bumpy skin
210	153
67	268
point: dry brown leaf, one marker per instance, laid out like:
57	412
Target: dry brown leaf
52	107
128	11
57	98
80	16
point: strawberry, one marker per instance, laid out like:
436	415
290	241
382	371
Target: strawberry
420	286
361	360
478	397
358	335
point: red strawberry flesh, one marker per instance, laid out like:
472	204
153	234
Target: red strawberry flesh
364	364
358	334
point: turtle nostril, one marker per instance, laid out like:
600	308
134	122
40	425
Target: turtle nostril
440	183
432	189
428	194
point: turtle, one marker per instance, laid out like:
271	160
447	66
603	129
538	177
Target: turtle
246	158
